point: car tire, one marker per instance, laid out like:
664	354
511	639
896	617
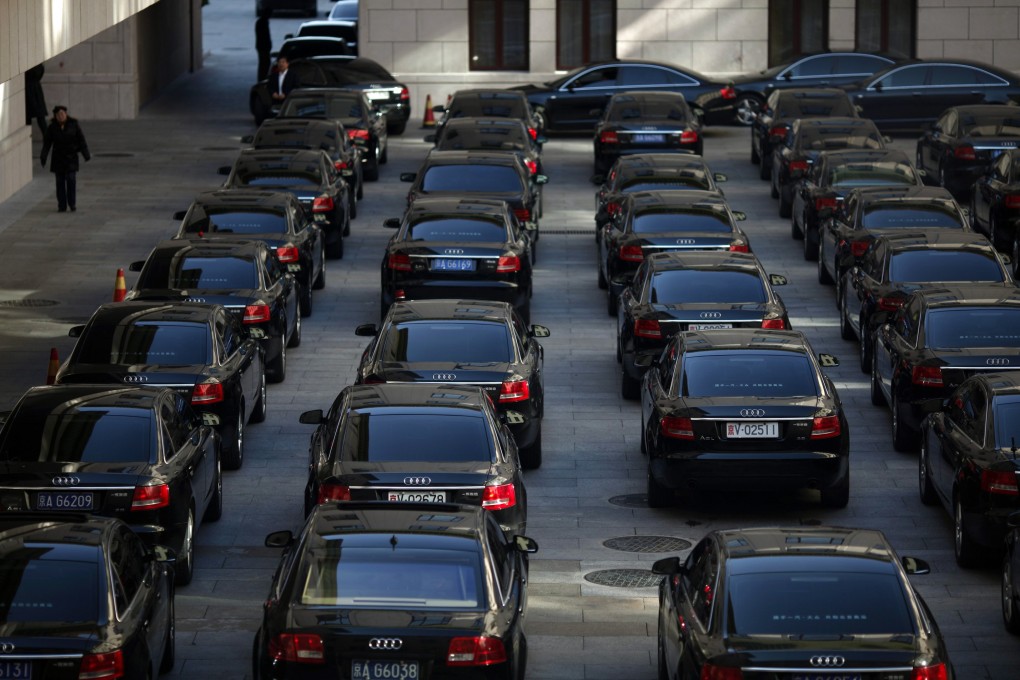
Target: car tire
305	297
785	206
353	212
644	440
335	250
774	187
258	414
837	496
295	337
215	509
877	398
320	280
824	277
603	284
184	567
967	552
630	388
924	486
276	370
531	456
360	192
658	495
1016	255
795	232
810	246
661	672
755	158
166	663
384	156
371	167
942	175
846	331
994	233
904	439
613	304
1010	615
866	347
347	217
745	109
233	450
765	168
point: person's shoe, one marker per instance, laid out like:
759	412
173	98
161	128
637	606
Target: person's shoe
61	209
73	208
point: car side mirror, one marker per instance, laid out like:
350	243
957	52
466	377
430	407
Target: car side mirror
439	109
179	215
668	566
136	266
915	565
75	331
392	223
739	216
431	139
247	139
367	330
887	139
525	545
313	417
540	179
719	177
540	331
858	108
777	279
408	176
828	360
280	539
878	86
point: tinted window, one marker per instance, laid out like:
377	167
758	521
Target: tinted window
421	438
665	183
85	435
279	178
816	66
357	71
908	76
47	584
872	175
629	108
173	344
346	10
472	178
596	78
487	106
344	108
457	230
1005	124
1006	412
974	327
215	273
944	265
961	75
632	76
238	223
747	374
910	217
706	285
862	64
478	342
494	137
827	138
665	222
815	107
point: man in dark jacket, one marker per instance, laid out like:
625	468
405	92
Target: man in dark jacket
65	138
263	43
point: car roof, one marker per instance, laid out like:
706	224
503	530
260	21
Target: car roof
495	93
484	121
959	295
666	199
389	518
896	194
244	199
704	259
460	310
74	397
452	206
55	527
132	311
745	338
417	396
985	66
865	546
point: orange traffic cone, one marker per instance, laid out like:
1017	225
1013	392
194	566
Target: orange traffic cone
119	287
430	116
51	372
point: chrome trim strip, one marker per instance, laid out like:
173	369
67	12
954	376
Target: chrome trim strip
69	488
755	419
415	488
770	669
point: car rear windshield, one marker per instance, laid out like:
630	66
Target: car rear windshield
419	438
280	178
706	285
1007	422
990	125
972	327
165	344
215	273
872	175
443	229
86	435
633	110
688	221
816	107
343	108
253	222
748	374
391	578
666	183
821	603
502	138
944	265
473	179
488	106
463	342
41	589
911	217
847	137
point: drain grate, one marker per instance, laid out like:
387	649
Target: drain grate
114	154
28	302
647	544
623	578
631	500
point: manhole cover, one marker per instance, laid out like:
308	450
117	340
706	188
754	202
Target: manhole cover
623	578
631	500
647	544
218	148
114	154
28	303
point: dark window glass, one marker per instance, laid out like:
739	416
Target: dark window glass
345	10
585	32
1005	124
861	64
501	557
1006	412
797	27
596	78
908	76
942	74
828	138
910	217
472	179
747	374
283	178
84	435
343	108
475	231
168	344
886	26
127	557
489	137
498	35
813	67
853	175
697	181
479	342
488	106
628	108
972	327
639	76
944	265
44	584
664	222
259	222
706	285
815	107
425	438
215	273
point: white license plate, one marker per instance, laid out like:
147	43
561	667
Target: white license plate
708	326
648	139
752	430
384	670
826	676
376	94
418	496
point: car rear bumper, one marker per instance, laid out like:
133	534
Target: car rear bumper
750	471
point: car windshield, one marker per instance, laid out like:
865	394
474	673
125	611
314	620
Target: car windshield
911	217
391	578
157	343
456	229
828	138
347	109
42	587
944	265
461	342
485	179
748	374
872	175
816	107
284	179
420	438
250	222
687	221
214	273
1007	421
990	125
681	286
79	435
972	327
631	109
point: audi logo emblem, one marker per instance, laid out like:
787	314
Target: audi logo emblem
417	481
385	644
711	315
194	299
685	242
453	251
65	481
997	362
444	376
136	378
827	661
6	647
752	412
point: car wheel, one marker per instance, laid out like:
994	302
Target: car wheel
335	250
942	175
360	193
877	398
795	233
903	437
258	415
276	370
967	552
924	485
765	169
384	157
837	496
755	158
824	277
184	568
603	284
353	212
619	350
994	235
320	280
233	450
371	168
306	300
866	347
531	457
644	440
1010	616
630	388
166	663
846	331
215	509
810	246
613	304
745	109
295	337
658	495
396	128
785	205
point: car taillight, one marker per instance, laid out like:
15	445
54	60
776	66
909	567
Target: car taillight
728	92
929	376
1012	201
775	324
322	204
151	497
399	262
688	137
514	390
798	166
858	248
475	651
612	207
738	247
522	214
297	648
965	153
647	328
825	203
825	427
405	95
499	497
532	166
333	492
288	254
677	428
508	263
712	672
105	666
533	133
340	165
631	253
890	304
354	135
205	393
256	313
933	672
999	481
778	131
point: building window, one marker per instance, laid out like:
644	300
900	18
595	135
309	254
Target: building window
797	27
585	32
498	36
886	26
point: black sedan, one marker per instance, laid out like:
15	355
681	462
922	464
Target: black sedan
429	590
244	277
276	219
574	101
140	454
691	291
364	122
413	442
308	46
313	179
967	462
490	103
723	410
833	175
458	247
200	350
645	122
806	140
83	598
910	95
333	28
995	204
491	134
806	603
467	342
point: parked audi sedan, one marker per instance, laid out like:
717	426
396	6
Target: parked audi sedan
645	122
467	342
490	103
458	247
199	350
346	30
403	590
140	454
491	134
691	291
275	218
958	148
310	176
84	599
413	442
967	463
245	278
995	204
811	603
724	410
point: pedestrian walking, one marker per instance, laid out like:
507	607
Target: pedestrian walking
35	101
65	138
263	44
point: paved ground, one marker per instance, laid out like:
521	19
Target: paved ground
58	267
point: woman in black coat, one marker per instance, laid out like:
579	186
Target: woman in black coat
65	138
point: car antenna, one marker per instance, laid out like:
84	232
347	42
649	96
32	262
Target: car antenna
393	538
